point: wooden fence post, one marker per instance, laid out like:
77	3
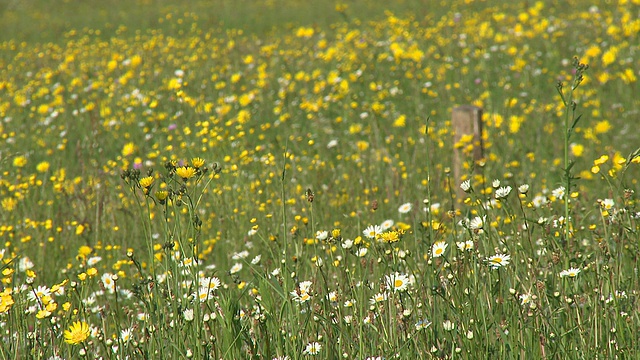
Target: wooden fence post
467	122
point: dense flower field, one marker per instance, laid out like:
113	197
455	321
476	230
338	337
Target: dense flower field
187	190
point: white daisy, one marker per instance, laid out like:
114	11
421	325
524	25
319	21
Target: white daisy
372	231
405	208
398	282
503	192
571	272
498	260
438	248
386	225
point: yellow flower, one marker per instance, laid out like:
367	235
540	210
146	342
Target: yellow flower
186	172
8	204
42	167
601	160
77	333
602	127
145	182
128	149
84	250
6	301
19	161
92	272
197	162
162	195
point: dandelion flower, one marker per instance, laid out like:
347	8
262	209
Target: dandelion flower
186	172
498	260
405	208
438	248
398	282
571	272
77	333
197	162
312	348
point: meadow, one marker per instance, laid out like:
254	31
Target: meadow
274	180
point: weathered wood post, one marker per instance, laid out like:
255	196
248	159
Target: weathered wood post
467	131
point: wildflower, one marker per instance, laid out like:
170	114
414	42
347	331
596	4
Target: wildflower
362	252
39	293
6	300
466	185
386	225
571	272
525	298
495	184
77	333
312	348
185	172
93	260
438	248
197	162
302	293
146	182
465	245
108	282
476	224
523	189
448	325
422	324
204	293
347	244
539	201
398	282
235	268
377	298
390	237
188	314
559	192
322	235
125	335
405	208
128	149
349	303
162	195
503	192
372	231
211	283
498	260
607	204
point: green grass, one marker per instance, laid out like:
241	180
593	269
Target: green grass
314	122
